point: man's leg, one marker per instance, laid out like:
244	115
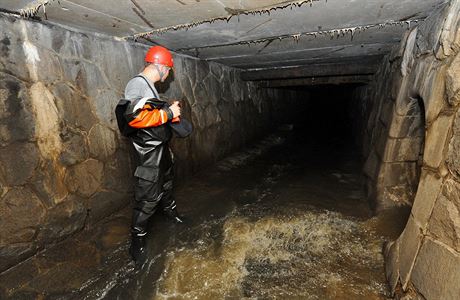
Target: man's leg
147	196
168	204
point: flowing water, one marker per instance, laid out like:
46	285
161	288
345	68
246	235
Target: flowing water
285	219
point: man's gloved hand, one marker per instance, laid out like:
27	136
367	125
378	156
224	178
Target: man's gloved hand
175	108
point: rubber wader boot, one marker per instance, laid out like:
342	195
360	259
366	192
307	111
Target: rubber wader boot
137	249
173	215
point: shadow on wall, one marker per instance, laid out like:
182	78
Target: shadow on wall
420	116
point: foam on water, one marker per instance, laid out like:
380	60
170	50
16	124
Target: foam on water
312	255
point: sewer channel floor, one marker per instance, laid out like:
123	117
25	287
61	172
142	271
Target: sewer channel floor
283	219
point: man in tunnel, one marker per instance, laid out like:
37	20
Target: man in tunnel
149	124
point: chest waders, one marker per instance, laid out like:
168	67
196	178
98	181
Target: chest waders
154	181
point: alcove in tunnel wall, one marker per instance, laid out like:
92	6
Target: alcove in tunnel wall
425	259
393	135
64	165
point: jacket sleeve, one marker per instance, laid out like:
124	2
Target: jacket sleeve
143	113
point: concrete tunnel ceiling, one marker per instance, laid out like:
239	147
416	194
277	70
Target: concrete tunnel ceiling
270	39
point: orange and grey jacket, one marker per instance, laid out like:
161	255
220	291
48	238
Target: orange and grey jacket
141	113
149	123
145	122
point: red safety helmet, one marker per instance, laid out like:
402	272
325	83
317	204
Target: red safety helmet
159	55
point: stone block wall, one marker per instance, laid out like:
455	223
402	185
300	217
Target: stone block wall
393	130
63	164
424	262
226	112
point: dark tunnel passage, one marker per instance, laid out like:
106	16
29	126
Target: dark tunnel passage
329	116
285	217
311	148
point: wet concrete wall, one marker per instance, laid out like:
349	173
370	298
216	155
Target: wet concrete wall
64	166
417	97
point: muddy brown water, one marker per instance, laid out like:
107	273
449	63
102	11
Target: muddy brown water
284	219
